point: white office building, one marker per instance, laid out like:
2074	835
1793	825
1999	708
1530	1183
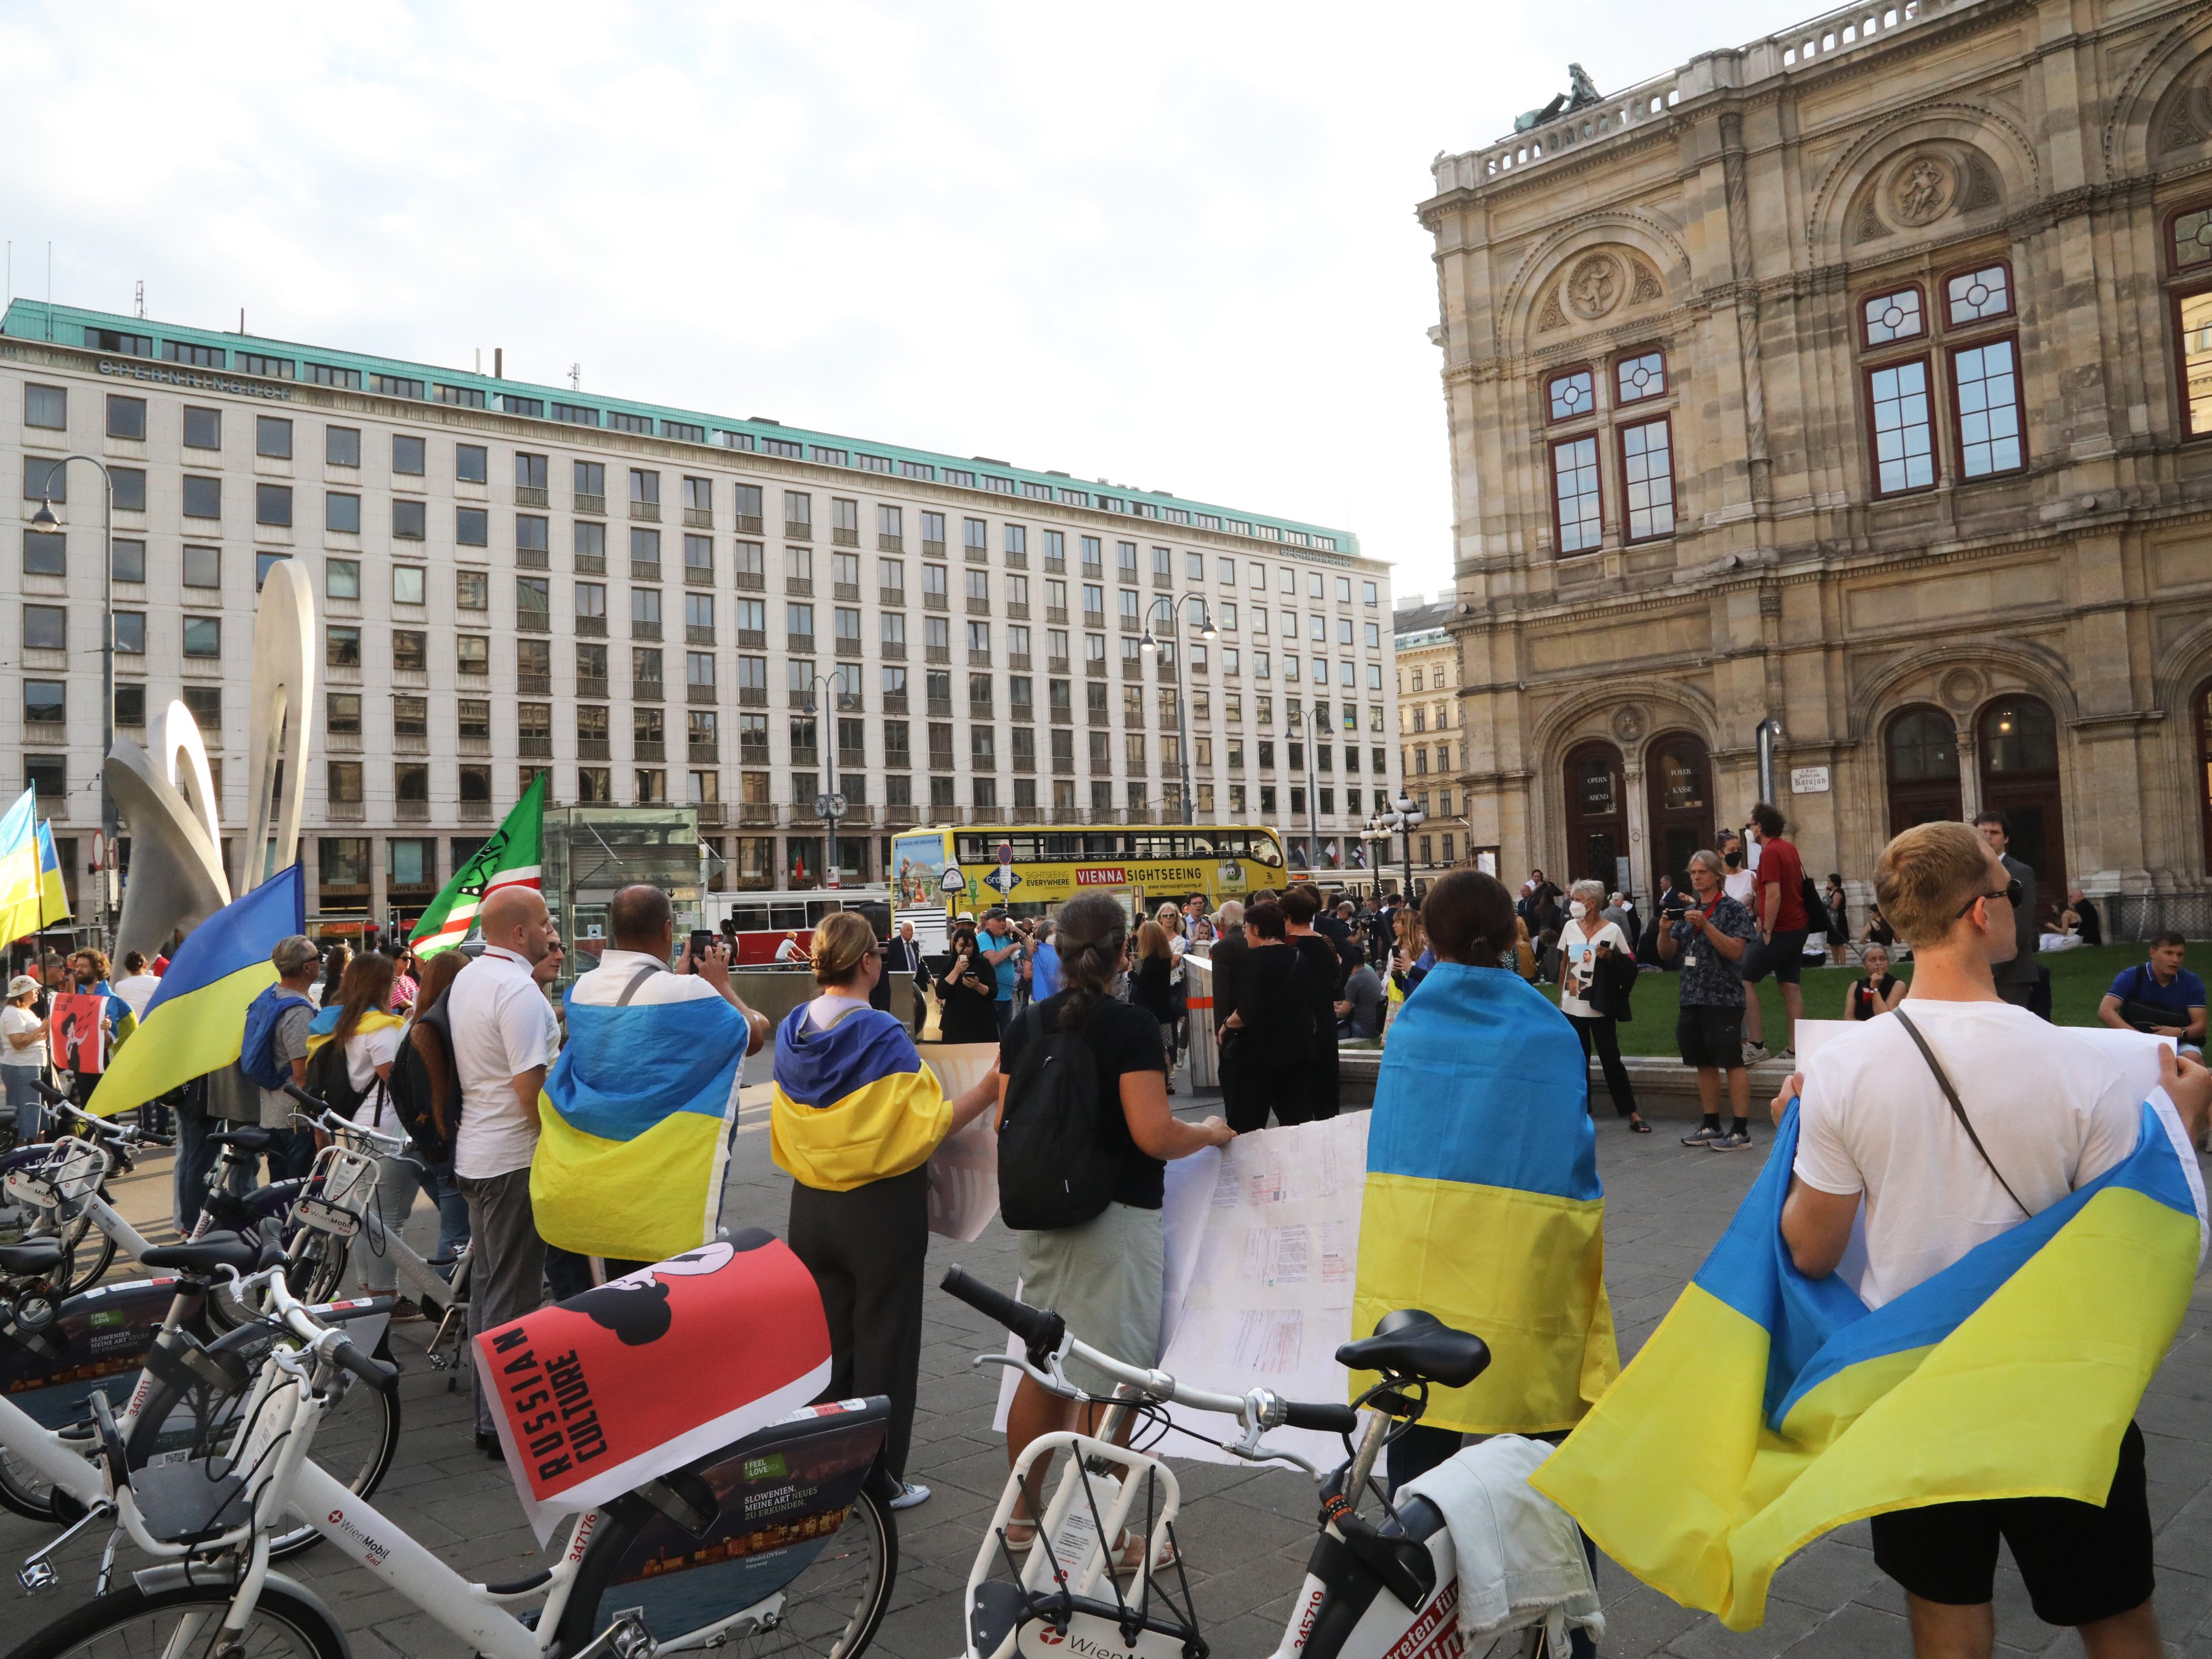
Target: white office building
644	601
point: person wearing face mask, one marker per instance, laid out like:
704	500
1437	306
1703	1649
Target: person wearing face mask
1593	957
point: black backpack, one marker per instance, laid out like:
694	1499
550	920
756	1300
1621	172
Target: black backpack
413	1085
329	1082
1055	1169
1817	915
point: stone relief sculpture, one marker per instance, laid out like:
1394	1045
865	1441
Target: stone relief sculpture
1920	193
167	796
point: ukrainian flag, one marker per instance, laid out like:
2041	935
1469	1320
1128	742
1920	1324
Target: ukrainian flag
19	868
195	1022
53	897
634	1124
1483	1205
853	1103
1769	1408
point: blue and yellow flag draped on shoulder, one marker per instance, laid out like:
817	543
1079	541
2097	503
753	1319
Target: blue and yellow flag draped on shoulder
853	1103
196	1019
1769	1408
1483	1205
634	1124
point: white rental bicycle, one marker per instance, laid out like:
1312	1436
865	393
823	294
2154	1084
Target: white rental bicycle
1372	1588
781	1540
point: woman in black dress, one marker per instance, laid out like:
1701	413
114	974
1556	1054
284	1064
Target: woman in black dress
1320	969
1839	919
970	991
1273	1033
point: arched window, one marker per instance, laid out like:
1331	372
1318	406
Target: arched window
1920	755
1597	812
1679	785
2019	744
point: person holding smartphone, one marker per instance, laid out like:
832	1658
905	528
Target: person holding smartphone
970	992
1591	953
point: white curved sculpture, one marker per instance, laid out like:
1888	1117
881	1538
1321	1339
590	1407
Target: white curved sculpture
168	798
283	705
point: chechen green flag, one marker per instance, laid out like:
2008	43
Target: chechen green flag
509	859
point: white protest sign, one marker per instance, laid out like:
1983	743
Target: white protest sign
964	1170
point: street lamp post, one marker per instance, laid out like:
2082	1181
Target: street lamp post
1409	816
45	520
1403	820
1205	631
828	806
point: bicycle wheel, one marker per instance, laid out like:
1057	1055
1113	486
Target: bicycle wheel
185	1621
317	1268
25	1491
86	1254
353	1445
834	1588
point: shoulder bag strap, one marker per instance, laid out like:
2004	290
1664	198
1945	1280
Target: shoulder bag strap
636	983
1957	1110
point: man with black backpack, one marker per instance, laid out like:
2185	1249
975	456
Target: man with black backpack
1780	893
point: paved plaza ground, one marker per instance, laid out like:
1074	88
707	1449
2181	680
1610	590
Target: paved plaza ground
1247	1533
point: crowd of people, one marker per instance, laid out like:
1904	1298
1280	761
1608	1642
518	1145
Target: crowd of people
454	1054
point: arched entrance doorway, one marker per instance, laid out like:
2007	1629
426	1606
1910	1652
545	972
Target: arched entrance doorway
2019	744
2203	769
1597	812
1679	782
1920	753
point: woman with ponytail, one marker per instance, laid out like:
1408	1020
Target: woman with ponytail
1104	1276
854	1117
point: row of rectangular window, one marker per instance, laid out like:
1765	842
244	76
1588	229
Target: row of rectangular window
52	413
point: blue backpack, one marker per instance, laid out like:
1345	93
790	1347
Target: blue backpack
256	1055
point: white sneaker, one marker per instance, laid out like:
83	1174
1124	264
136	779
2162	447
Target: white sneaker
1755	1052
911	1496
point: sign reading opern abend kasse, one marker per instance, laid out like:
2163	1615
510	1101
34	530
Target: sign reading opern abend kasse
648	1372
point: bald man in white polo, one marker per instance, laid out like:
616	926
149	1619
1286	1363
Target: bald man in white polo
498	1016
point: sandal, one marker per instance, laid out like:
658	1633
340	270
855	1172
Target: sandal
1637	1126
1129	1554
1020	1537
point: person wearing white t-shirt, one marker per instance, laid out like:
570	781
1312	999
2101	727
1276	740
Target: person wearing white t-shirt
1589	945
1741	881
360	1019
2053	1113
137	987
497	1014
23	1056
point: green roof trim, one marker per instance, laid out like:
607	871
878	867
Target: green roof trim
66	325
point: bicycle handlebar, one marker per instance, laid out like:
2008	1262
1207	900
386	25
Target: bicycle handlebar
330	1343
1039	1329
319	1113
1042	1329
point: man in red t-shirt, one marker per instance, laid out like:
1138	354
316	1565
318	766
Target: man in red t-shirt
1778	907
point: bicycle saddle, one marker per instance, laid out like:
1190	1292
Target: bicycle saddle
244	1140
39	1256
1412	1343
207	1256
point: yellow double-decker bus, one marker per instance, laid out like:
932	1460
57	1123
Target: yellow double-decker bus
1030	870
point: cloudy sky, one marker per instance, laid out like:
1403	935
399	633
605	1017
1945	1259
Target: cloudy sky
1172	246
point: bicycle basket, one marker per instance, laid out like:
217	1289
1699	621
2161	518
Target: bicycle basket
349	1181
70	1173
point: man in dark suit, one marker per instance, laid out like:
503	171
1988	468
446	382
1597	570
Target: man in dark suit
901	955
2017	980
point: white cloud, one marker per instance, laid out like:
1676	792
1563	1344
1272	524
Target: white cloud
1174	246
